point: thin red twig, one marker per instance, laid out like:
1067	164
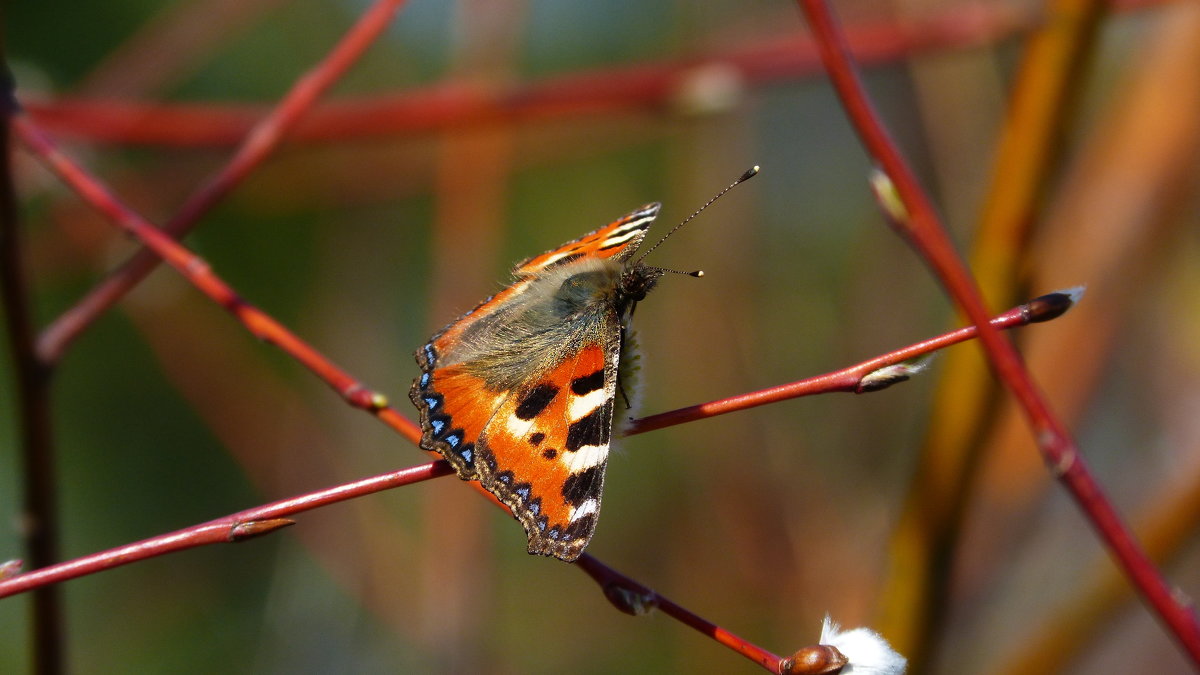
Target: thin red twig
198	272
262	139
228	529
923	228
635	599
851	379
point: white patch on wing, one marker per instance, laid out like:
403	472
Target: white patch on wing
579	407
588	506
619	237
586	457
518	427
554	258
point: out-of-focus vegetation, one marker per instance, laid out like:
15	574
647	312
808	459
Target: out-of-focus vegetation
167	413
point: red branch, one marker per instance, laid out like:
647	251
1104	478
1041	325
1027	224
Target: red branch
646	85
198	272
261	140
445	106
851	379
923	229
624	592
635	599
229	529
265	519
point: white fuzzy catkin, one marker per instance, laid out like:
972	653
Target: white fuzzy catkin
868	652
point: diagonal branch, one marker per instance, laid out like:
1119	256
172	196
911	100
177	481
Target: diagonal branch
919	223
871	375
198	272
258	144
233	528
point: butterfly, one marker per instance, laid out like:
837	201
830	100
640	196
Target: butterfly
519	393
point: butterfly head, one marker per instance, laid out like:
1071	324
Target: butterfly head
637	282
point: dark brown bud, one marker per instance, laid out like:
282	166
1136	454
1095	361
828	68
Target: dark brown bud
635	602
1052	305
815	660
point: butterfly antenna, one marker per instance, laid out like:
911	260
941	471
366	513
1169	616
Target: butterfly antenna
750	173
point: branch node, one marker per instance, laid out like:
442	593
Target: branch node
257	528
710	89
361	397
632	601
893	374
888	198
1060	458
11	568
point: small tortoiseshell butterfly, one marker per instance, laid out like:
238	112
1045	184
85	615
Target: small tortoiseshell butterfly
519	393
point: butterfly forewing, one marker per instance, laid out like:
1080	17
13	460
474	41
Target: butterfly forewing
617	240
518	394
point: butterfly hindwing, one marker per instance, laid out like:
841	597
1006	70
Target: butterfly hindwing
518	393
545	451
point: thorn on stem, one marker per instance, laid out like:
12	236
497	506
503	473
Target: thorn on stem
257	528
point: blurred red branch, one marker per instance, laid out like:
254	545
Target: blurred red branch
922	227
649	85
446	106
229	529
259	142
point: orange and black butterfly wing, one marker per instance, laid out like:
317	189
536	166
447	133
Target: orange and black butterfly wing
536	436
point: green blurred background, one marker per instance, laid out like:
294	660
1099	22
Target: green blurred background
168	413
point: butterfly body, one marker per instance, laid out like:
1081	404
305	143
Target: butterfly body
519	393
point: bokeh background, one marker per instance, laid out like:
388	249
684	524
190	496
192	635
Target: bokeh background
366	239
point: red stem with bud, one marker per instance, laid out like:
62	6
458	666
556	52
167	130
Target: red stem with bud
922	227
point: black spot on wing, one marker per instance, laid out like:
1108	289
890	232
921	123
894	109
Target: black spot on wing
549	453
536	438
591	429
582	486
536	400
588	383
